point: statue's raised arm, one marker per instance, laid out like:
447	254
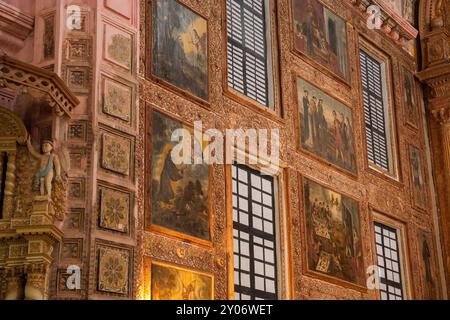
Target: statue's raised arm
31	149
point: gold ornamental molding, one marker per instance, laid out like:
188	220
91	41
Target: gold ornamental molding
16	74
392	24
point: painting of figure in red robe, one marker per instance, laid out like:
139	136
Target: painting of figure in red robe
179	192
333	234
321	35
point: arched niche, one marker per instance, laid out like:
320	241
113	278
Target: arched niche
12	128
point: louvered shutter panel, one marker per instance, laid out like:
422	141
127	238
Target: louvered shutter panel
374	111
247	52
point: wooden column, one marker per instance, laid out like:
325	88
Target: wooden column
2	156
442	151
9	185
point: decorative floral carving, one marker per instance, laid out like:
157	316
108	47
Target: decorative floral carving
116	154
77	131
113	270
74	219
117	100
78	49
114	210
71	250
118	46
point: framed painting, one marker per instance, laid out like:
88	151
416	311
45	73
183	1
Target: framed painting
320	35
334	242
179	48
168	282
410	99
418	186
179	198
428	266
326	127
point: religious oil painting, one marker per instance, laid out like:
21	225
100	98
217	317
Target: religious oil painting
410	100
419	192
174	283
179	47
321	35
428	268
326	127
333	234
179	192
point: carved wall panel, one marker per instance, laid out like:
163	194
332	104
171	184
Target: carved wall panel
118	46
78	78
78	49
71	249
117	99
116	153
74	219
62	289
114	270
114	209
77	131
77	189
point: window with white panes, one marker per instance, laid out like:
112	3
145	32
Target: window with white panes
254	235
249	50
377	115
389	262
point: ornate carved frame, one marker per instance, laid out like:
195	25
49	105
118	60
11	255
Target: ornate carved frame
148	191
148	262
295	78
306	268
310	60
403	69
149	60
425	178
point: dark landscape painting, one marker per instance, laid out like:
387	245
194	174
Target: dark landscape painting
326	126
180	198
334	234
179	53
418	181
321	35
411	108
